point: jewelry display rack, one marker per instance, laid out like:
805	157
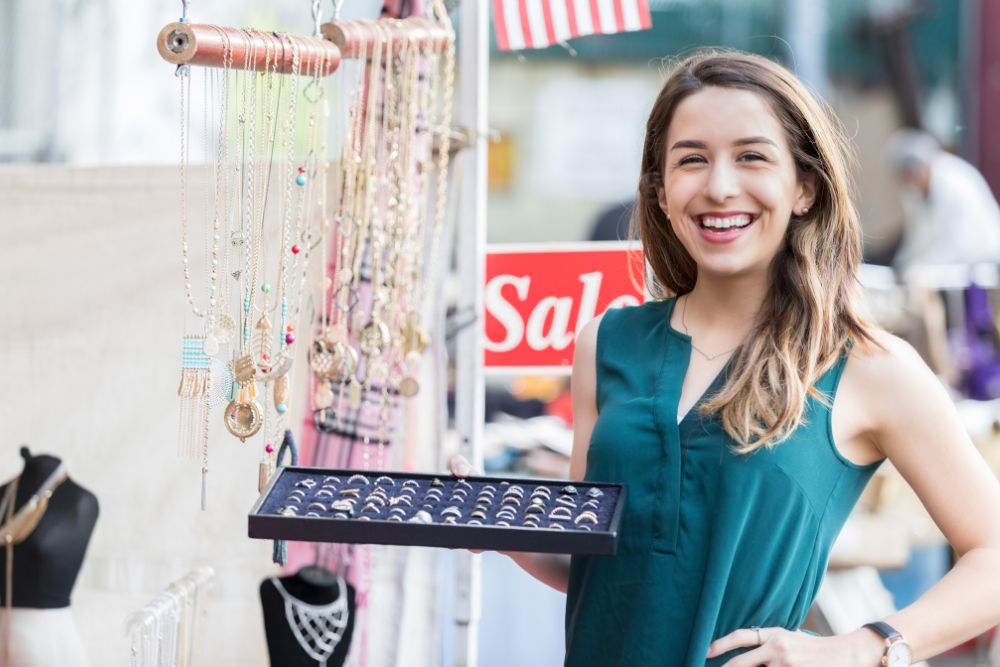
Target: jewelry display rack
209	46
183	43
165	631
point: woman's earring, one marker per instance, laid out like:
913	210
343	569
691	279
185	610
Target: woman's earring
805	210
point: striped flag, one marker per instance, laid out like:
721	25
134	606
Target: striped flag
534	24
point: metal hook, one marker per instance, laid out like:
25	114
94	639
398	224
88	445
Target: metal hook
184	10
316	13
337	4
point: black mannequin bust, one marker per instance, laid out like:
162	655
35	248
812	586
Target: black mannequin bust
313	586
47	562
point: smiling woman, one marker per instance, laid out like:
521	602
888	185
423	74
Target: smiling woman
748	404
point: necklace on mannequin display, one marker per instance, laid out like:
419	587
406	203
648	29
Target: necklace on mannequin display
16	528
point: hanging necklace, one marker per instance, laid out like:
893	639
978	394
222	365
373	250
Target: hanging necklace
710	357
415	335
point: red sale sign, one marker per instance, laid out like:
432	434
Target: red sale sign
539	296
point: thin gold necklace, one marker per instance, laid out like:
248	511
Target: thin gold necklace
710	357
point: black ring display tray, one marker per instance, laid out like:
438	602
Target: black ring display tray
412	509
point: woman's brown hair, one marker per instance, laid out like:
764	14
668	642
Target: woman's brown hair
808	318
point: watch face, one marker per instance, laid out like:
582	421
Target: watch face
899	655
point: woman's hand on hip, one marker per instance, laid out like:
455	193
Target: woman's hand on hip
778	647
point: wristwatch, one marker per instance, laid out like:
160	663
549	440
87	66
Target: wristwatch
897	651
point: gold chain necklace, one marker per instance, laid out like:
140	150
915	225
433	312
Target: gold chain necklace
17	527
710	357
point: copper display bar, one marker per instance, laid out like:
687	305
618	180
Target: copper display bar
208	46
351	36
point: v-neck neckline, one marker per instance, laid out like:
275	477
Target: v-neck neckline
686	339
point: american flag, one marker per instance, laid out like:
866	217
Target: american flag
534	24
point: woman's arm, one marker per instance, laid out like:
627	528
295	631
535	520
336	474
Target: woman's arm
553	569
909	418
915	424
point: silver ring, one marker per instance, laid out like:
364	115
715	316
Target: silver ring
473	522
760	642
314	515
561	514
411	484
324	493
567	501
461	482
568	490
451	511
305	483
478	514
372	506
342	506
385	478
316	506
358	478
592	503
587	515
330	479
350	492
557	526
595	492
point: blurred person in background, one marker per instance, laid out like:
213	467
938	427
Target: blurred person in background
951	216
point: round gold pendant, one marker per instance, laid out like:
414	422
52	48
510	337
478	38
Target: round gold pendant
408	386
243	419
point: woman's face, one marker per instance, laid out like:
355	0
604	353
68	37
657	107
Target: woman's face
730	184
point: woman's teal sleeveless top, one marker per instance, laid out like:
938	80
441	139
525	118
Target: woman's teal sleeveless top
709	541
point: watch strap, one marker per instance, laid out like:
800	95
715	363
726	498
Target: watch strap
887	631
